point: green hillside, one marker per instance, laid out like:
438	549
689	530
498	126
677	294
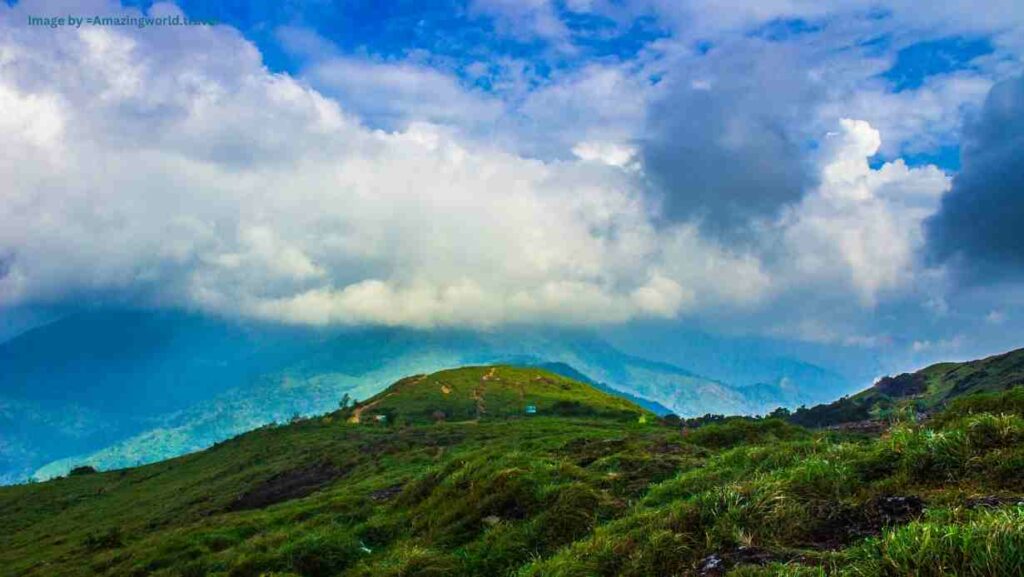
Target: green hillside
582	488
922	391
491	392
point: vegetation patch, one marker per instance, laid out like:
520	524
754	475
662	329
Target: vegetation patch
287	485
579	495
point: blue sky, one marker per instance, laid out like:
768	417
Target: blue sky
471	40
794	171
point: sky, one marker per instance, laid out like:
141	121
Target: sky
844	173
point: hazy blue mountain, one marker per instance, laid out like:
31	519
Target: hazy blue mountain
769	365
115	388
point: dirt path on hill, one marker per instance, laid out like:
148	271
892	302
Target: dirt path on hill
478	392
358	412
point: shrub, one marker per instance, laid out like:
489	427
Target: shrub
255	564
322	554
570	514
571	409
820	478
986	431
931	456
98	541
412	561
737	431
1005	402
990	544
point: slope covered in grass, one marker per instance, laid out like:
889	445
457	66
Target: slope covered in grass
923	391
493	392
584	494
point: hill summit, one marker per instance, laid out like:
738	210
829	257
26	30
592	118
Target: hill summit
499	391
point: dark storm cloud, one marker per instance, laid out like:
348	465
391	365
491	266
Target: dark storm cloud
980	226
726	147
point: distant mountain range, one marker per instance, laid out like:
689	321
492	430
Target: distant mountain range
118	388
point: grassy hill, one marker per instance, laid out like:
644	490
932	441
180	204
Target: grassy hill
923	391
492	392
581	493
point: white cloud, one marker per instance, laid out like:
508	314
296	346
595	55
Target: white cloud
995	317
918	120
610	153
138	168
213	184
393	93
861	227
526	19
943	345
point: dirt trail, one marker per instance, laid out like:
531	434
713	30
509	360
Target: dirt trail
478	392
358	412
478	396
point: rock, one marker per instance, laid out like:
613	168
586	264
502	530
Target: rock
897	510
992	501
711	565
719	563
386	494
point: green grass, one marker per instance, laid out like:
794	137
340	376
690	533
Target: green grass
500	391
966	385
586	493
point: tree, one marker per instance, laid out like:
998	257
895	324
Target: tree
82	470
671	420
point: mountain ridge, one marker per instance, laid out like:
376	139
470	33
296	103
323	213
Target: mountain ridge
923	391
206	379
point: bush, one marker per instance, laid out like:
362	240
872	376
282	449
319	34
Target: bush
570	514
412	561
571	409
1006	402
737	431
820	478
990	544
98	541
323	553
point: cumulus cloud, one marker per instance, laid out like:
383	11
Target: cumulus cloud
390	94
160	175
141	170
862	227
978	228
919	120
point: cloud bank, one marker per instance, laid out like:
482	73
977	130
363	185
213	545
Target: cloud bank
742	179
158	175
